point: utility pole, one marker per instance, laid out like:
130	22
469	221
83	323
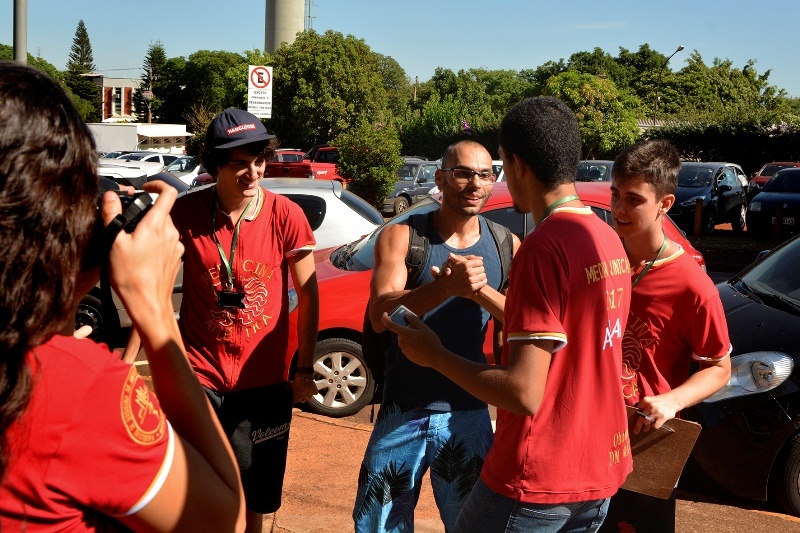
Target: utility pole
658	83
21	31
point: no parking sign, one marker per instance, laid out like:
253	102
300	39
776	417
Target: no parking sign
259	91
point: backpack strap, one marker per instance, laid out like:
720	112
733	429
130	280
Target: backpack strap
505	249
418	245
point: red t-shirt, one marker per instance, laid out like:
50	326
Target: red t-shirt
233	349
569	282
92	444
676	316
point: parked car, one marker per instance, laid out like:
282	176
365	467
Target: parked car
782	192
750	442
343	380
164	159
336	216
186	168
719	188
136	173
594	170
319	163
114	155
415	179
761	177
288	154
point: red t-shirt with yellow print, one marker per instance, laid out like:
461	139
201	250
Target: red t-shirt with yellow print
230	348
570	283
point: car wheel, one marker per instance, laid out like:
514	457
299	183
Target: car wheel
709	221
785	478
400	204
344	383
738	223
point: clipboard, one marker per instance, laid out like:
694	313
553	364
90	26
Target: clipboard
659	455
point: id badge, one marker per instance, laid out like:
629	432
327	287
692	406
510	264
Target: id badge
230	299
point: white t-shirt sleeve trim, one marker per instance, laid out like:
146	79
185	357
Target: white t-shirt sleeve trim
306	248
560	340
160	478
714	359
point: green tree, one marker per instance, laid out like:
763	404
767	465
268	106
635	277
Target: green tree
323	86
86	94
606	124
153	69
396	83
369	155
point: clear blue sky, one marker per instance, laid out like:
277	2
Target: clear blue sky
423	35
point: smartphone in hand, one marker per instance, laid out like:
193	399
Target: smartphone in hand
398	316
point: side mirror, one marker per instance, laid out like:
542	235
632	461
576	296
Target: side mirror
422	179
724	188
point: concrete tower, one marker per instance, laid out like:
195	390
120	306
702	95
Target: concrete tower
284	19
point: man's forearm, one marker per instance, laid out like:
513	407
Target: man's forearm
420	300
491	300
307	327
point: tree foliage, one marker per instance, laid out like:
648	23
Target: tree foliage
606	125
325	85
85	93
153	70
369	155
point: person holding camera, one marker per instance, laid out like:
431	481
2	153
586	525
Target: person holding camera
86	446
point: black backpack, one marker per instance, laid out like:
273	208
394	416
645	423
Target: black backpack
374	345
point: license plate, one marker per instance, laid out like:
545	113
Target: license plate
785	221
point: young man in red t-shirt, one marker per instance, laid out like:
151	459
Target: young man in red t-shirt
242	243
561	448
676	316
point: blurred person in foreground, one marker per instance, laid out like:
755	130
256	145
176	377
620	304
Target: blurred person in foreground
242	242
676	317
561	448
85	445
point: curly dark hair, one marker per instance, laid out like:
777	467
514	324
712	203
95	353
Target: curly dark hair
48	199
544	133
656	162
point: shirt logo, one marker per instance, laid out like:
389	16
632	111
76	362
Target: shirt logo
144	420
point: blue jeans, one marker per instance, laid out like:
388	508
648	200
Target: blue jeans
403	445
486	511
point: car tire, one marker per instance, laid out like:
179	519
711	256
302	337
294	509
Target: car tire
401	203
344	383
785	477
738	223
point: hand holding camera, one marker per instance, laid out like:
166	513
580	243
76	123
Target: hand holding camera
144	252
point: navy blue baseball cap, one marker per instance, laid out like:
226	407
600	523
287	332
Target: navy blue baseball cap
235	127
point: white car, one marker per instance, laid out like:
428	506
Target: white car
186	168
158	157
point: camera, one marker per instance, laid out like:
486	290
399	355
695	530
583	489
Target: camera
133	209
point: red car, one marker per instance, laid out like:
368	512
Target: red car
343	380
761	177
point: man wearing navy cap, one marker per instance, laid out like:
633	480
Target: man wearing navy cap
242	242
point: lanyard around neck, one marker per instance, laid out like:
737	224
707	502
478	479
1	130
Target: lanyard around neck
234	240
550	208
650	263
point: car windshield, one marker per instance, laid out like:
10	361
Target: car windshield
774	279
769	170
694	177
784	182
359	255
134	157
406	172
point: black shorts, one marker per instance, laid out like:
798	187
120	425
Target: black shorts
256	422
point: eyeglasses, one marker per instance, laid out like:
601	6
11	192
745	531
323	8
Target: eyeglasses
465	175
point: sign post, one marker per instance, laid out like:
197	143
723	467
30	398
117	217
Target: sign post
259	91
